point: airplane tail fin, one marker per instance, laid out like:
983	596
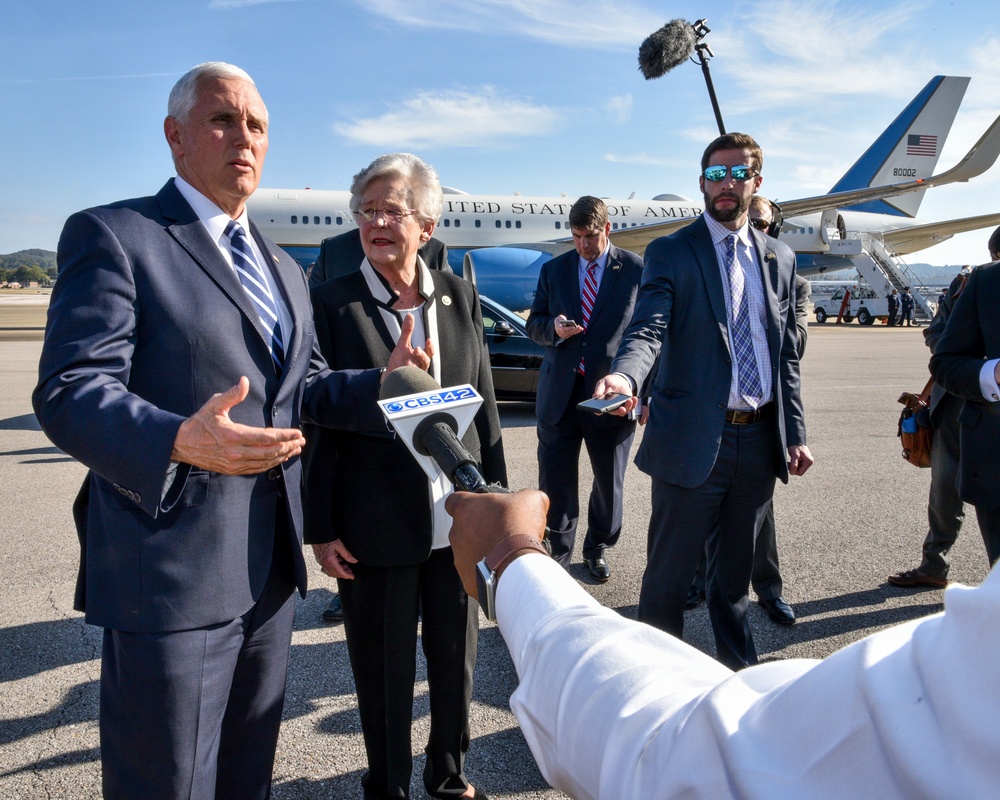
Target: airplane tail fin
909	148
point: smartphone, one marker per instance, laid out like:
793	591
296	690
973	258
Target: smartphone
567	323
602	405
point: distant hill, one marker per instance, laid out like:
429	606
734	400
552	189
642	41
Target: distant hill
44	259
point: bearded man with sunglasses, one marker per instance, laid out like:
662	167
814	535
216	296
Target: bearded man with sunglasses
715	317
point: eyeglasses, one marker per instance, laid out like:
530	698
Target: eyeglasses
389	214
759	224
718	173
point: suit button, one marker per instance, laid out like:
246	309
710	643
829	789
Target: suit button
273	474
722	405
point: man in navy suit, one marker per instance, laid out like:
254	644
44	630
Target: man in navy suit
179	358
581	329
966	363
716	317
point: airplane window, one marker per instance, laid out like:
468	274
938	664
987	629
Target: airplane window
295	220
517	224
447	223
479	223
315	220
340	220
508	223
458	223
328	220
498	223
558	224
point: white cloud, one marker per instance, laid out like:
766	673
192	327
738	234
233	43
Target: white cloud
806	53
605	24
620	108
458	118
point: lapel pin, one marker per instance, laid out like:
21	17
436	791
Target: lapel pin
446	300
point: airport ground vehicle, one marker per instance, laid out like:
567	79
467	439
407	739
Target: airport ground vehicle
863	305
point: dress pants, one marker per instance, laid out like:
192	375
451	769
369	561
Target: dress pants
609	442
195	714
945	510
766	575
381	610
723	513
989	524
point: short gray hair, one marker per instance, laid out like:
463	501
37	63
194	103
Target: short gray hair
184	95
423	187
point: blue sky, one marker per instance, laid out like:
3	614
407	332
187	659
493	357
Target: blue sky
534	96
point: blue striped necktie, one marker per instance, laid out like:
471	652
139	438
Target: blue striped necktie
252	277
746	360
587	298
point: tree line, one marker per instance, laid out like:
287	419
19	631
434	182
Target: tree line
25	266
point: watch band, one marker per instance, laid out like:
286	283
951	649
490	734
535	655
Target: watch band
505	550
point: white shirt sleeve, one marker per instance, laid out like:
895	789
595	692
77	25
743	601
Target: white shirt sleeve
988	382
615	709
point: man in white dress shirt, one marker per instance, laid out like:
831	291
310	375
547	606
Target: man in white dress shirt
612	708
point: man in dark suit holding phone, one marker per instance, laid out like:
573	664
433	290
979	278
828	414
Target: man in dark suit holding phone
582	306
716	317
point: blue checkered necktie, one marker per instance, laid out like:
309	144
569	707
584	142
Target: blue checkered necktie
252	277
587	298
746	361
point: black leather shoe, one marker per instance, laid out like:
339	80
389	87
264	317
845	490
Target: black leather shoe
599	569
333	612
694	599
778	610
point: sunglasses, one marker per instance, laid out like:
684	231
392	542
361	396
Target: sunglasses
718	173
759	224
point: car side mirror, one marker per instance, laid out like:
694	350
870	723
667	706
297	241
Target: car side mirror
503	328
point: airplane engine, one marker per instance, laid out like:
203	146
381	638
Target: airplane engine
507	275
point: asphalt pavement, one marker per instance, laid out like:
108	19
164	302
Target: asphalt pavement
858	515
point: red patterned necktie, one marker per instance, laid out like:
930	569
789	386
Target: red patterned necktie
587	298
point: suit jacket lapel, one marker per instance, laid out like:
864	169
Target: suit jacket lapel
764	246
293	291
611	272
708	261
190	234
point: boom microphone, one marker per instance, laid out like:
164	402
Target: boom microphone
666	48
435	435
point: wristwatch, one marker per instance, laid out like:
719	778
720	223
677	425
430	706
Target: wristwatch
488	570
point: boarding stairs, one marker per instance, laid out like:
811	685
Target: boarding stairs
883	270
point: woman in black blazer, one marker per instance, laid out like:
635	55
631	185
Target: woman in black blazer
374	519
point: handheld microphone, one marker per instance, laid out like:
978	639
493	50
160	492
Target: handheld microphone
666	48
436	433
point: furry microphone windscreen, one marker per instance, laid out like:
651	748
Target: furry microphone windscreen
666	48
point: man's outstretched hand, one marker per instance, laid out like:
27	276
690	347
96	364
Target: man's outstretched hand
211	440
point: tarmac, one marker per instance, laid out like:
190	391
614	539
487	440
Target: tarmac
856	516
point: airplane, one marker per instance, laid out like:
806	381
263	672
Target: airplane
501	241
